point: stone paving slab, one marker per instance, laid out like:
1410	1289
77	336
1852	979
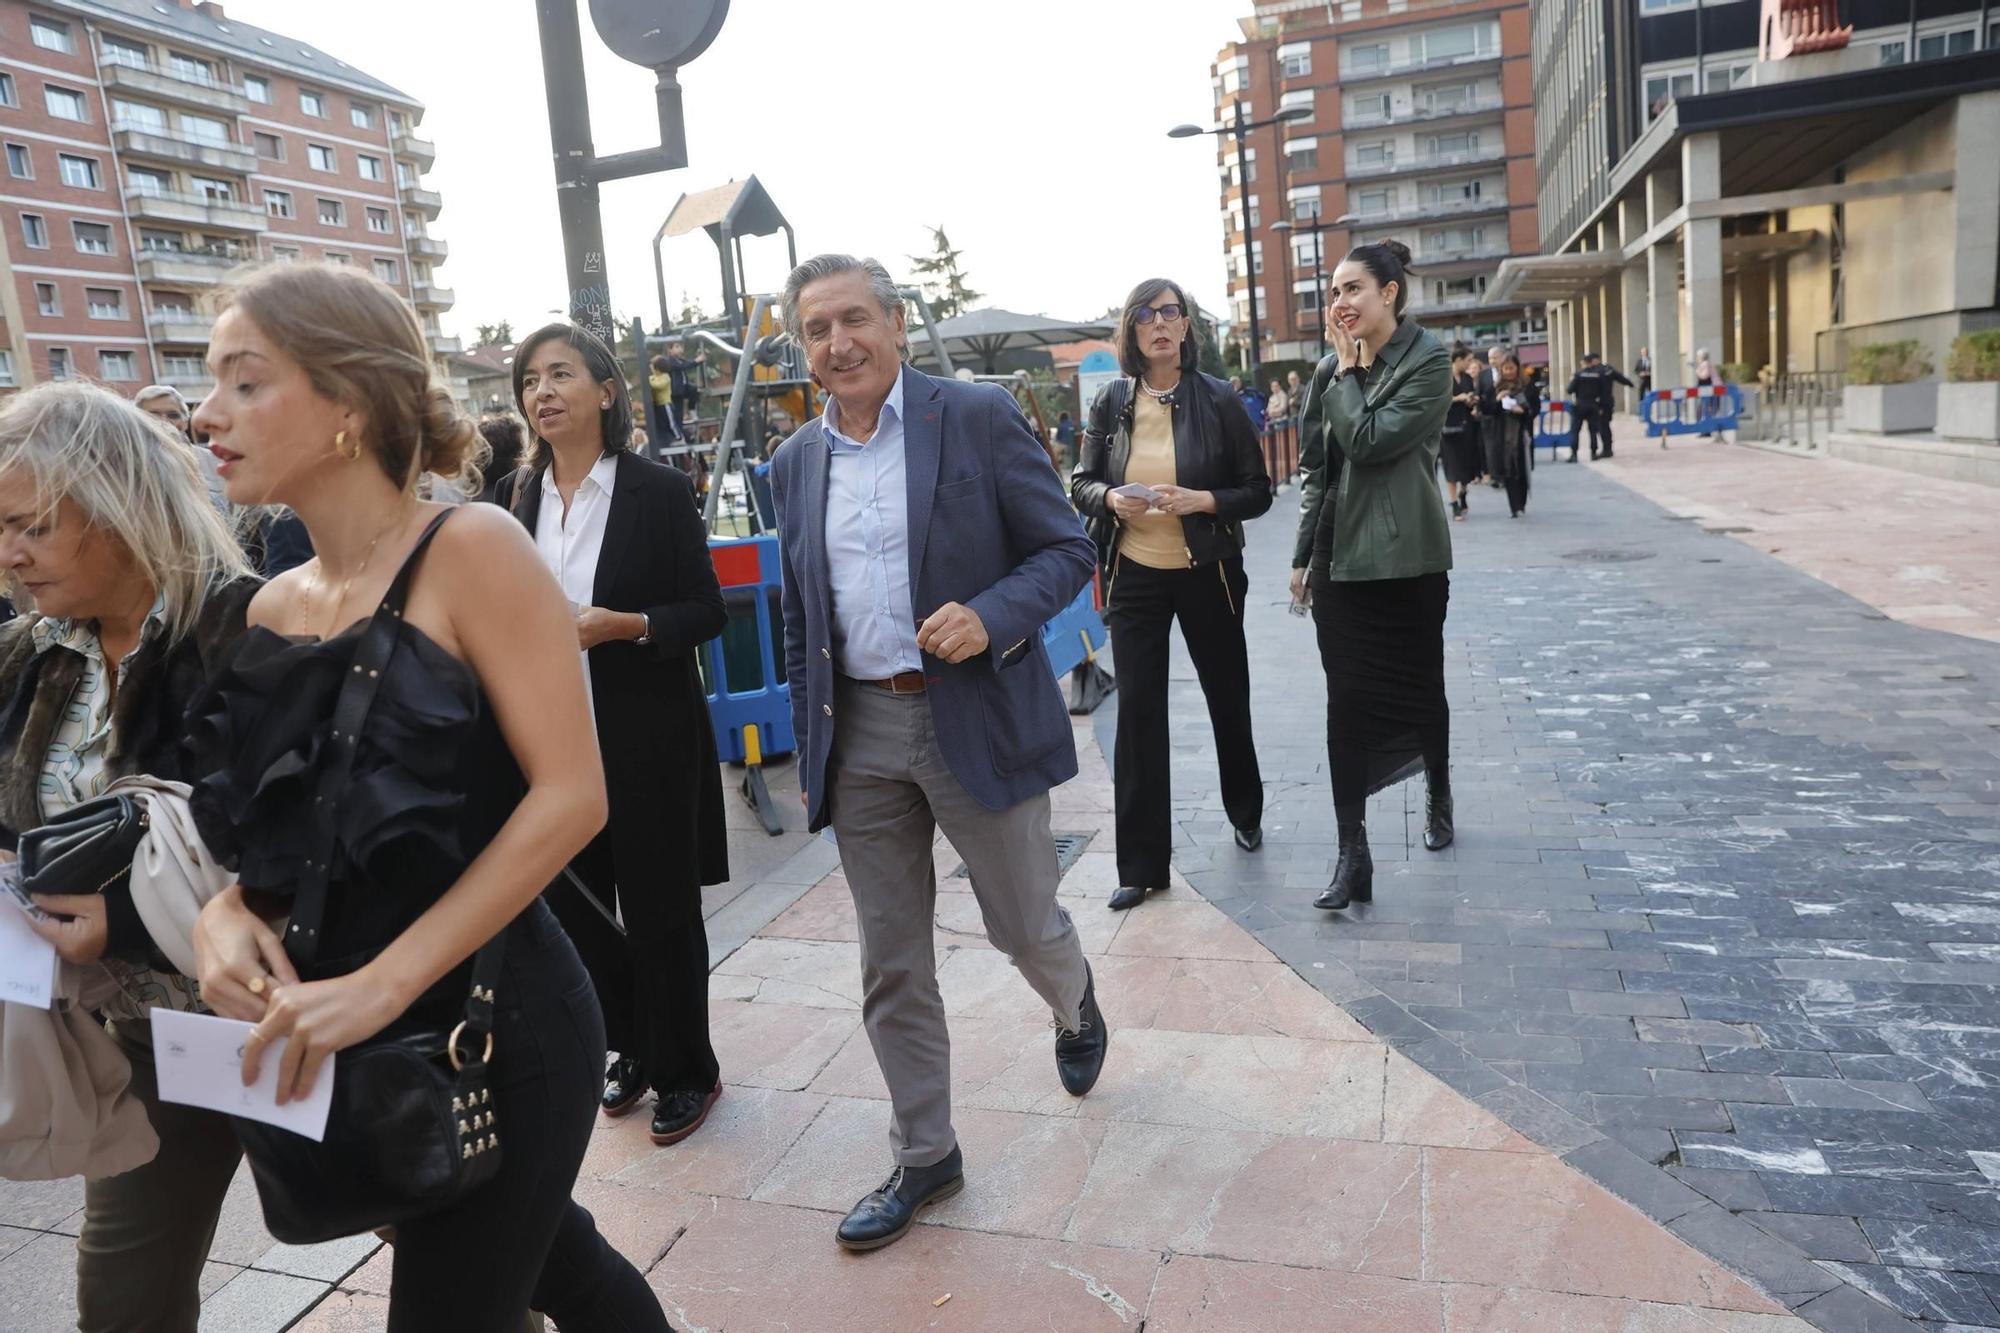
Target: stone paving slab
1721	916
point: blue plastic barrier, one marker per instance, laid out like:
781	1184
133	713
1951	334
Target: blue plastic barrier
1696	411
1076	633
749	699
1552	427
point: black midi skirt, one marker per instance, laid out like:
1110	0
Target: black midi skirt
1462	456
1381	642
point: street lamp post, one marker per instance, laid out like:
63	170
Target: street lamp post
1238	129
1319	276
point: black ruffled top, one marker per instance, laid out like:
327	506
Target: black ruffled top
432	781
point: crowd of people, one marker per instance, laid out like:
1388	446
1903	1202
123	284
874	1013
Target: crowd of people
440	776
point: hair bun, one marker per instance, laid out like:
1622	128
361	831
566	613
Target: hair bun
447	436
1398	249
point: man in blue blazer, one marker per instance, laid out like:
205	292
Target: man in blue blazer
925	540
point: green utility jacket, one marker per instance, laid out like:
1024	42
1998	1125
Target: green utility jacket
1379	446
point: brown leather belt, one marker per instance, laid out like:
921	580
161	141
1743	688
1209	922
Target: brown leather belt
903	682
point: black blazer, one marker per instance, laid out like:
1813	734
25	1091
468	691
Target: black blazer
652	716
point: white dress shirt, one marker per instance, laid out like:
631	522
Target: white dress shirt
868	546
570	543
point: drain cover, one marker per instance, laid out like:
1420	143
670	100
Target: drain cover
1069	846
1609	554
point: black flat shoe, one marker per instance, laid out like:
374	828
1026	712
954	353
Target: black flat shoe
1353	873
1128	897
1438	831
1250	839
1080	1054
679	1114
883	1217
624	1085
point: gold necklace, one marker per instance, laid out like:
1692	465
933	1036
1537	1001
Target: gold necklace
347	586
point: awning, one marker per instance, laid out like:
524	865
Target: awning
1540	279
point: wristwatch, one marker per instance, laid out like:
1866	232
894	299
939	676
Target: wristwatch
647	637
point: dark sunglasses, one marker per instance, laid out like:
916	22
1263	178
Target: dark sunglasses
1146	314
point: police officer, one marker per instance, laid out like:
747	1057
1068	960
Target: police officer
1590	399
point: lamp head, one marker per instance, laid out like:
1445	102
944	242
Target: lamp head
658	33
1294	113
1185	131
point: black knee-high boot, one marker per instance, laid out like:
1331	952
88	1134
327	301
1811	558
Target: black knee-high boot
1438	831
1354	872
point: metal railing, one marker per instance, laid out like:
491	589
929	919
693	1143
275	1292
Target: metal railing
1799	409
195	77
1427	162
1281	449
1434	208
1399	115
1358	72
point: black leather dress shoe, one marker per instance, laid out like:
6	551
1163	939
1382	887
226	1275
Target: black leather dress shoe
883	1217
624	1085
1250	839
1080	1054
1129	896
679	1114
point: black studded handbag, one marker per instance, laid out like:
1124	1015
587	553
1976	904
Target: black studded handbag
413	1127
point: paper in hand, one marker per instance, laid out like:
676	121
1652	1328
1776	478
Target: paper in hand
1133	490
200	1062
27	961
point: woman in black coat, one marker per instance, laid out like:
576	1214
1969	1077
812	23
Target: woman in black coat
623	536
1170	472
1460	452
1508	405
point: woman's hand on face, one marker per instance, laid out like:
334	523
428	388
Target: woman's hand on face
1179	500
1127	507
239	960
315	1019
78	925
1344	345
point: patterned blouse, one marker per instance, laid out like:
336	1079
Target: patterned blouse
77	769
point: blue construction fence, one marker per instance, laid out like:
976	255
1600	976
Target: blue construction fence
1703	410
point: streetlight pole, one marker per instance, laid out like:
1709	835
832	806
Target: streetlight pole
1239	129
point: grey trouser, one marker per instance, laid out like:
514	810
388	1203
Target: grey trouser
891	792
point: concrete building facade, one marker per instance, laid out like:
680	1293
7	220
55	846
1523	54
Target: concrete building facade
1421	128
1776	207
154	145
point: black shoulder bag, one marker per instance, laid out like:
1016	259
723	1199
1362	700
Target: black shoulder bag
413	1126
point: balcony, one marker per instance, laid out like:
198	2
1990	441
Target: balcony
1460	254
1408	115
125	75
429	296
443	344
420	151
428	202
1426	162
198	211
180	326
1436	208
188	268
1420	65
193	387
429	247
157	143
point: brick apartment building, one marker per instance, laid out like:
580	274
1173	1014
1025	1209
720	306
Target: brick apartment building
153	145
1422	128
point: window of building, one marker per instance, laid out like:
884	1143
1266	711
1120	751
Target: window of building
48	301
1938	44
137	116
398	123
161	242
79	173
177	305
269	146
321	157
1891	53
278	203
1367	202
1305	295
59	367
378	221
124	51
1992	41
1443	145
332	213
65	104
1379	154
148	181
370	167
1297	97
312	103
413	225
51	34
335	257
1295	60
119	367
1305	203
404	174
1445	290
1302	253
215	191
1368	109
105	302
285	254
1302	155
1451	192
92	238
1455	241
20	162
182	366
190	69
6	368
7	97
257	88
34	231
1443	98
1454	43
361	115
1722	78
204	129
388	270
1664	88
1365	59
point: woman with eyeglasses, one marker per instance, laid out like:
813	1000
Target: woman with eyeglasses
1169	473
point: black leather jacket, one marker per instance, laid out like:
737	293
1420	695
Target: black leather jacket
1215	449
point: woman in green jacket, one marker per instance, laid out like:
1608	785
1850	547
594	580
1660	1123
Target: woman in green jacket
1373	561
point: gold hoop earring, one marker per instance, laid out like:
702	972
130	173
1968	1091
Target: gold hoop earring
340	447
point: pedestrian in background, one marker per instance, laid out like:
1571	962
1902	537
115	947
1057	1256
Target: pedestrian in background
660	400
1253	402
141	597
1507	410
1643	368
1295	391
622	535
1066	438
1378	556
1591	402
1460	450
1171	470
1704	377
1488	376
925	541
479	780
1278	407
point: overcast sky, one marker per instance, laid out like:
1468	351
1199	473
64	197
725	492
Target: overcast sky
1033	130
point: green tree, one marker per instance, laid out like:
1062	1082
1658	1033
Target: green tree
494	335
691	311
942	276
